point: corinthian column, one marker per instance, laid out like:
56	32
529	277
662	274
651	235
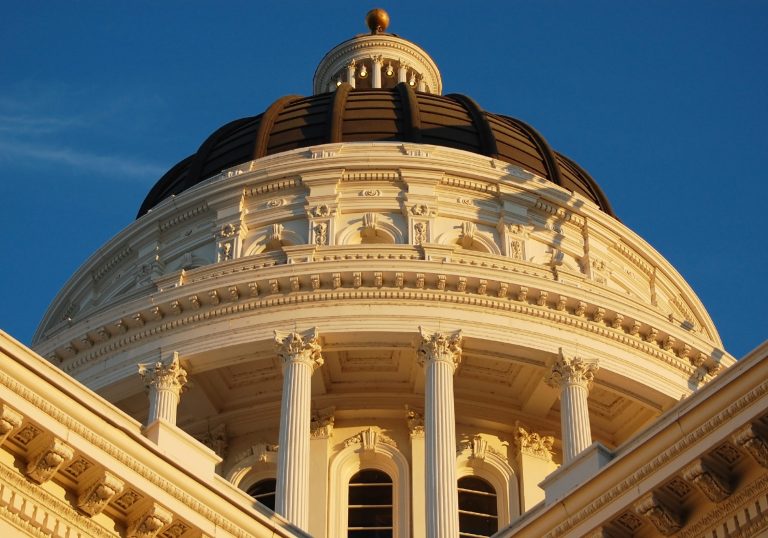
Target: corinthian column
573	376
165	383
300	356
440	354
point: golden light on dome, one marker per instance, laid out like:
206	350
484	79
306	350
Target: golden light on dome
377	20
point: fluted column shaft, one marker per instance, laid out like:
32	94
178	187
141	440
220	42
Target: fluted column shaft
440	354
300	356
573	376
165	382
378	63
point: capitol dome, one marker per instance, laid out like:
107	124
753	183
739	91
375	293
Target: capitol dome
399	114
382	289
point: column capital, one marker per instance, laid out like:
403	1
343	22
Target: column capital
164	376
440	347
572	371
302	347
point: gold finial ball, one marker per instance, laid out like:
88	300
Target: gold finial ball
377	20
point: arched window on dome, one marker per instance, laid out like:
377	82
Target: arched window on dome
478	513
370	504
264	492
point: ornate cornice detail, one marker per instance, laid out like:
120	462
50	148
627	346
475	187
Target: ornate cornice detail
572	371
162	376
440	347
118	454
752	439
106	267
10	419
149	522
368	440
709	481
533	444
99	492
184	216
43	504
299	347
666	520
748	399
47	458
614	331
273	186
743	496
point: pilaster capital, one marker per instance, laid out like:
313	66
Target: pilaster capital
415	421
321	426
533	444
572	371
440	347
302	347
164	376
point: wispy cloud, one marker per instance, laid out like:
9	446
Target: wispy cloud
36	125
102	164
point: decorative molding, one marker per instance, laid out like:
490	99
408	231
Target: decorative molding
533	444
99	492
127	498
110	264
369	439
149	522
43	510
666	456
477	448
183	216
47	458
709	481
415	421
321	426
666	520
752	439
10	419
554	315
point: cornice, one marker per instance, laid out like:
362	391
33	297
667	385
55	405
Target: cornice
271	289
121	455
634	479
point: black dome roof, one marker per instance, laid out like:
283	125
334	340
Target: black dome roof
398	114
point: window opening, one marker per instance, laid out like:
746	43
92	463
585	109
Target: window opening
264	492
370	505
478	510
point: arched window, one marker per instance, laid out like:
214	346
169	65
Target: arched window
264	492
370	505
478	515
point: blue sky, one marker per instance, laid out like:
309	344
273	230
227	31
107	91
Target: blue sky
664	103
